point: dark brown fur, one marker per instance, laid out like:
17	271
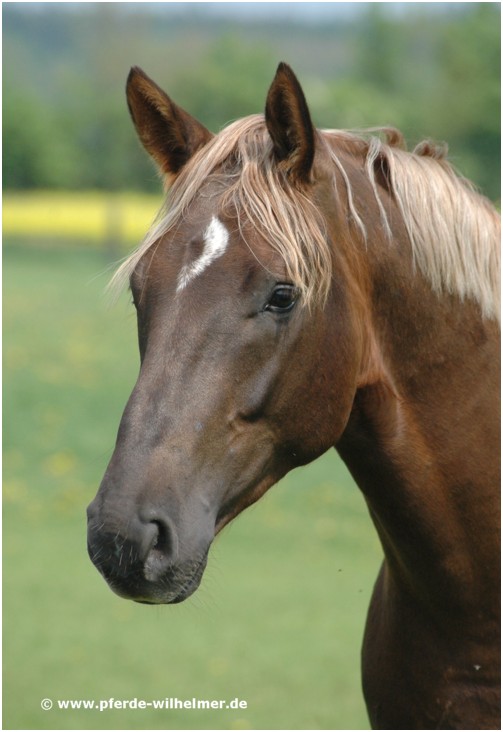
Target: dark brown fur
231	395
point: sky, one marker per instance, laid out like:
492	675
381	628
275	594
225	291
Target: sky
303	11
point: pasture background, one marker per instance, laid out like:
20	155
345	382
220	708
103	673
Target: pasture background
279	618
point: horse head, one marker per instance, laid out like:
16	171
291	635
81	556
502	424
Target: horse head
250	353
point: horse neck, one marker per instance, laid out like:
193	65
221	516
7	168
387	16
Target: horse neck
422	438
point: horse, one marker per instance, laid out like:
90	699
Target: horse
303	289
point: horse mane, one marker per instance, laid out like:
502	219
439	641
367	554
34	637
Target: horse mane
453	230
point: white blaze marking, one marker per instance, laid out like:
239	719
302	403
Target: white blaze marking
216	239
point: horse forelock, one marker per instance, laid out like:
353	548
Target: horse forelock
239	163
453	231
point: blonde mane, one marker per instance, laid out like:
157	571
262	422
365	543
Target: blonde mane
454	232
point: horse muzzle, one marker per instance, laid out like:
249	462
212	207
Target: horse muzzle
143	562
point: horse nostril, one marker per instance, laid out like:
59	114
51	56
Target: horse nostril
163	541
162	551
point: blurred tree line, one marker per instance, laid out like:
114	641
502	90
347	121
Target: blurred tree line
431	74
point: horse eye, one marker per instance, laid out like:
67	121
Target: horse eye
283	299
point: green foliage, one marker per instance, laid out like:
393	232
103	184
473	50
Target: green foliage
468	95
279	618
33	156
235	80
432	71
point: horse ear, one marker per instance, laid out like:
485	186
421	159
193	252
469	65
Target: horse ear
289	123
168	133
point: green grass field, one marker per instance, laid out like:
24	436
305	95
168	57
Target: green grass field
279	617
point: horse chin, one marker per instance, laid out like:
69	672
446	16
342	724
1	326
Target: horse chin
175	585
168	598
173	596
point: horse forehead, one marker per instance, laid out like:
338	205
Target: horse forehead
215	243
